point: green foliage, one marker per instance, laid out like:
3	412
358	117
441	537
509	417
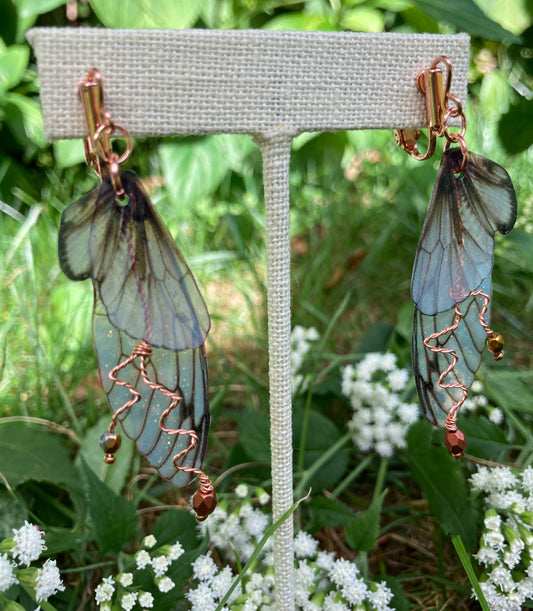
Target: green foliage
357	207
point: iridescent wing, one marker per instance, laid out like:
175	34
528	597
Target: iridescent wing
456	248
468	341
143	282
181	372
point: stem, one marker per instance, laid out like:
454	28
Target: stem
464	557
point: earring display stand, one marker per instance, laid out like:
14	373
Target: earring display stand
273	86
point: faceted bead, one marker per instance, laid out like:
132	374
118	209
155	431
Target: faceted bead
455	441
109	459
110	442
495	343
204	503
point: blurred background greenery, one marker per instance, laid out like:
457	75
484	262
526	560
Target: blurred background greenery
357	209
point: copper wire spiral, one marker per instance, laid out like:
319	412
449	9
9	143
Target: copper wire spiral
144	351
495	343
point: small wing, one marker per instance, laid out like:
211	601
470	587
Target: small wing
468	341
183	372
144	283
456	248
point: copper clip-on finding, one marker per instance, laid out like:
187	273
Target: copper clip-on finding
100	125
92	96
431	83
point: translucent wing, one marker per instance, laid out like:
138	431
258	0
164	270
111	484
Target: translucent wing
143	282
468	341
183	372
455	251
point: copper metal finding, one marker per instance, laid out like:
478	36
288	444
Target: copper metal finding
101	127
441	106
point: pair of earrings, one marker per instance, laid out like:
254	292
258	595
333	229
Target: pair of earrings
473	198
150	322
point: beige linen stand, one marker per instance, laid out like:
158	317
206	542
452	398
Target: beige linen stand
273	86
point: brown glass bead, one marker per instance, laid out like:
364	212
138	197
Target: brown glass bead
455	441
495	344
110	442
204	503
109	459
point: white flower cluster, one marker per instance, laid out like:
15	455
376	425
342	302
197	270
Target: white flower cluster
476	400
301	343
26	546
381	419
322	582
506	544
122	590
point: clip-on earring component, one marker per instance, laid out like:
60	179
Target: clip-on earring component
473	198
150	322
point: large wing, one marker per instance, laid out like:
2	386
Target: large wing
468	341
184	373
455	251
143	281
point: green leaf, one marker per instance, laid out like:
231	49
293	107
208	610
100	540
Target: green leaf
114	518
114	475
515	127
321	435
466	16
30	453
68	153
362	533
30	8
176	525
443	482
13	514
510	389
254	430
23	116
167	14
13	63
363	19
327	512
193	169
485	439
299	22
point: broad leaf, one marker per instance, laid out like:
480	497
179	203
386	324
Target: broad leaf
517	140
30	453
361	533
254	434
167	14
443	482
466	16
13	62
114	518
327	512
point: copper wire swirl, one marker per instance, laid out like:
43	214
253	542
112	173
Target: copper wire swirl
144	351
451	417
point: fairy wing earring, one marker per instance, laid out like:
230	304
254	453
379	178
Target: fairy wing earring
150	321
473	198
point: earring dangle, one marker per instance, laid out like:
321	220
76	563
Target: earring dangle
150	321
473	198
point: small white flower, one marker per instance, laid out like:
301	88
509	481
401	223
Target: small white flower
127	601
160	565
487	556
165	584
125	579
175	551
381	597
256	523
325	560
204	568
146	600
7	577
477	386
355	592
494	539
305	545
343	572
263	497
104	590
222	582
29	543
241	491
201	598
48	581
493	522
397	379
527	480
149	541
502	577
408	412
142	559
